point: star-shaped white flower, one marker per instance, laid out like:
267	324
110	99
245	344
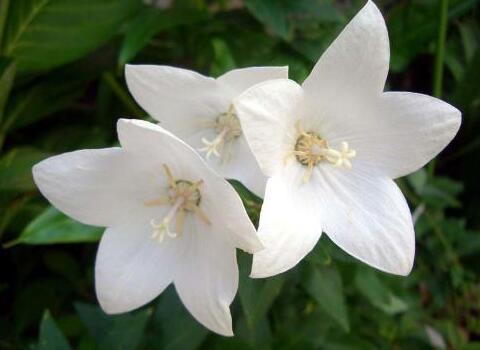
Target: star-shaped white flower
331	148
169	218
198	109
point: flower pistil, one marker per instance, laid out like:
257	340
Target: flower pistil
227	126
311	149
184	196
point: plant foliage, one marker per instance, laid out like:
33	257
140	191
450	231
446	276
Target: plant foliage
62	88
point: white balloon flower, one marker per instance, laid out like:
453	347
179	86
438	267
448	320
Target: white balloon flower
169	218
198	109
331	148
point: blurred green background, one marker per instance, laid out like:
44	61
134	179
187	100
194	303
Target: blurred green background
62	88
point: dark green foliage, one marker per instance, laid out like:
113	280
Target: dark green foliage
62	88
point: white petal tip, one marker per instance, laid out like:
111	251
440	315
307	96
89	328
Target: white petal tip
111	309
405	270
401	270
227	332
264	273
256	275
255	247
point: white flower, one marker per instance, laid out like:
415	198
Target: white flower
169	218
331	148
198	109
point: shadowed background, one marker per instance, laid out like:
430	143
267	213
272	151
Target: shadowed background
62	88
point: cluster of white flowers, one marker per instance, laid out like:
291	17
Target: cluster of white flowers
322	154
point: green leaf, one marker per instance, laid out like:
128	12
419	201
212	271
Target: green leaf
7	74
418	180
119	332
42	99
51	337
325	286
256	295
251	202
258	337
16	169
442	192
4	5
273	14
43	34
151	22
413	26
372	288
223	58
51	226
176	326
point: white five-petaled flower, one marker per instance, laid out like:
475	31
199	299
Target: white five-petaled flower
169	218
331	148
198	109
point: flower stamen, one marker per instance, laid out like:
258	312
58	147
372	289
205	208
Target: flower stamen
184	196
311	149
228	128
162	228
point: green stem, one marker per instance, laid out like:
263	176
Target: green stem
2	138
3	19
440	50
122	95
439	60
436	228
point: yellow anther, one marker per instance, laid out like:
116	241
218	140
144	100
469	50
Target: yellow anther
310	150
183	196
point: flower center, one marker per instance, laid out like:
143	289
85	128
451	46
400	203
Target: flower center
183	196
311	149
228	128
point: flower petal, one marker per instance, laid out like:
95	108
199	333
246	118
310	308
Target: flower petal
368	217
405	132
241	79
290	223
187	104
207	280
96	187
159	147
239	162
182	100
268	112
132	268
228	217
222	204
355	63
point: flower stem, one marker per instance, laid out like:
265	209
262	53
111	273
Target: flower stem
439	60
3	19
122	95
440	50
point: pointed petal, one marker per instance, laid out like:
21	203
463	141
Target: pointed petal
355	64
245	169
237	162
241	79
131	268
181	99
405	132
268	113
96	187
368	217
222	204
228	217
290	223
150	141
187	104
207	280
